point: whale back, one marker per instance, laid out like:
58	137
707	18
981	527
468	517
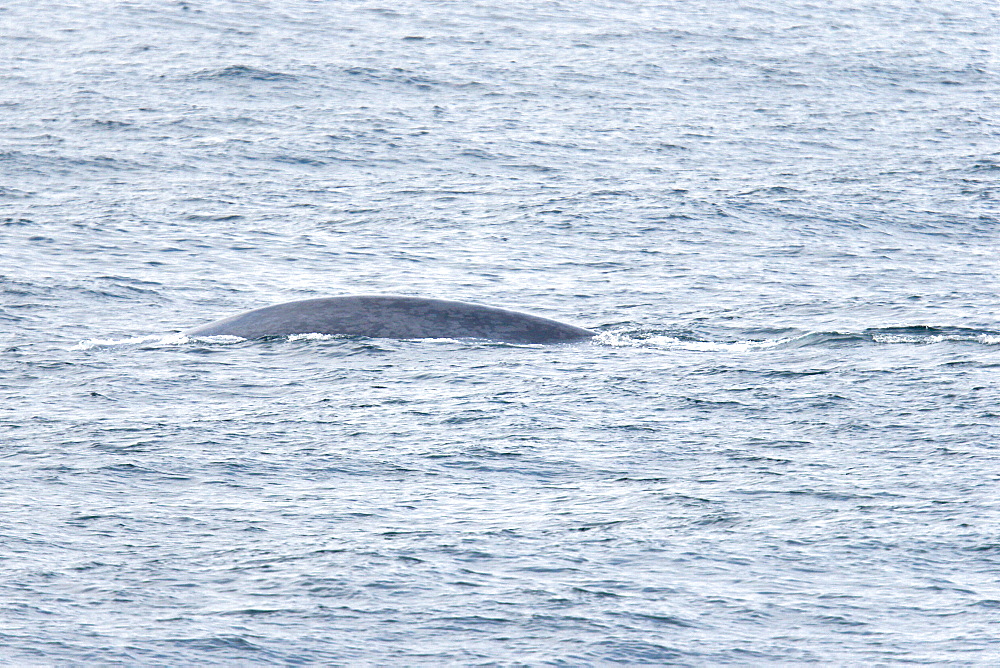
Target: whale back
393	317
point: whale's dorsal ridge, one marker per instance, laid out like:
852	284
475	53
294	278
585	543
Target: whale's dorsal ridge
393	317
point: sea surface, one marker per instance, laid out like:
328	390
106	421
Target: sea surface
781	216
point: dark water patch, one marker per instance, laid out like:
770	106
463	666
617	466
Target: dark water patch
140	471
257	612
395	75
989	604
596	593
244	72
657	620
986	165
475	621
713	404
218	218
827	496
215	643
51	165
112	125
300	160
631	652
804	373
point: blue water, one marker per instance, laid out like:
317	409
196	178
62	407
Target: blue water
782	447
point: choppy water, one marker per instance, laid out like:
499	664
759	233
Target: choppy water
781	449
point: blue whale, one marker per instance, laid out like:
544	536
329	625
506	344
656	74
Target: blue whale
393	317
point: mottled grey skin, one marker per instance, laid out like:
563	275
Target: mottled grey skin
391	317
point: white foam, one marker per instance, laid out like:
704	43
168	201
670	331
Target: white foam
311	336
90	344
623	340
986	339
897	338
158	340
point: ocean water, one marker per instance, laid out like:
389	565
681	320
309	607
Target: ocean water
781	217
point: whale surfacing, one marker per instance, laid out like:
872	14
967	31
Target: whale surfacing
393	317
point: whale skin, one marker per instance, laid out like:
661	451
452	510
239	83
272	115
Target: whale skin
393	317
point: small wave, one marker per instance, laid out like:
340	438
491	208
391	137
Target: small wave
824	339
918	335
